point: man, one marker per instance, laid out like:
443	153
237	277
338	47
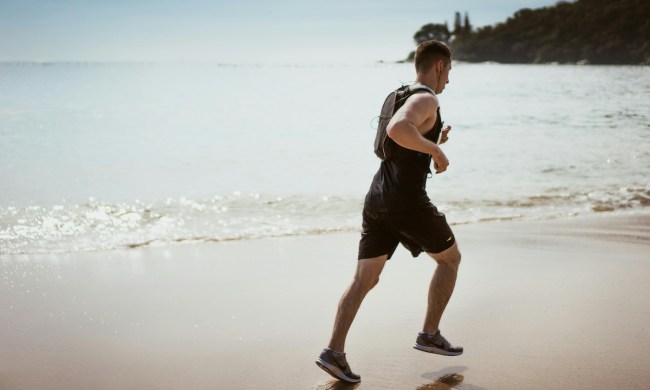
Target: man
398	210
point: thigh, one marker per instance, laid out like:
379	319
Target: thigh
448	256
370	268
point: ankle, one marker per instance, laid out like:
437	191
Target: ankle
335	352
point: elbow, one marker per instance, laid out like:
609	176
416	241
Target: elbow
392	130
399	132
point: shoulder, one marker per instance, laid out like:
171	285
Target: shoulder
422	101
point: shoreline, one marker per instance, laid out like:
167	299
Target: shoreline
158	244
550	304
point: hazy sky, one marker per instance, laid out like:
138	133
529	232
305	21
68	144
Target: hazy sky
244	31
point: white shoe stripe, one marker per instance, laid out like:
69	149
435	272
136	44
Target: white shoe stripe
336	371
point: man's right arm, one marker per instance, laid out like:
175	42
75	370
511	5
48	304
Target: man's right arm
406	128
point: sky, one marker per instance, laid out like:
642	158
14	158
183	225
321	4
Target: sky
234	31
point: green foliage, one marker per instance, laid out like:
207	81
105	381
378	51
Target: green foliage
458	24
439	32
467	26
593	31
461	26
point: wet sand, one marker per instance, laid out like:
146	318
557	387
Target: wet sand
552	304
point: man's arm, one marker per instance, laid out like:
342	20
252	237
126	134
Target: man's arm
411	121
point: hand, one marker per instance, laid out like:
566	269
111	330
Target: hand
445	135
440	162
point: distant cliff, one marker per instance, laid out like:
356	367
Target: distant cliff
584	31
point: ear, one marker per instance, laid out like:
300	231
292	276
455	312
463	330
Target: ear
440	65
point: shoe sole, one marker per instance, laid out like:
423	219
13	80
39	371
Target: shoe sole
435	350
335	371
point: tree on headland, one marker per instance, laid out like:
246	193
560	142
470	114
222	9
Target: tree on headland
462	26
458	24
439	32
584	31
467	27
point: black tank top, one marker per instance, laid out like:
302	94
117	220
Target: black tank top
400	182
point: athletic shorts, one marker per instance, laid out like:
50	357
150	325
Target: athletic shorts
422	229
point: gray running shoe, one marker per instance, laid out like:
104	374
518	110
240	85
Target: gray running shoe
337	366
436	343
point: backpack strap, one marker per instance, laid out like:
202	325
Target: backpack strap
411	90
421	87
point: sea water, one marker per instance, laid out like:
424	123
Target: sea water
102	156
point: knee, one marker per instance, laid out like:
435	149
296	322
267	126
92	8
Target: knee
455	260
366	283
371	282
457	257
374	282
450	259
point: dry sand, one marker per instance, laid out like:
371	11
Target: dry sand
555	304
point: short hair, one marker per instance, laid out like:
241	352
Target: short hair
430	52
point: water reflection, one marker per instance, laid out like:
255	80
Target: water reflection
448	378
445	382
334	384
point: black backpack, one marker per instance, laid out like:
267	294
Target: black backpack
384	145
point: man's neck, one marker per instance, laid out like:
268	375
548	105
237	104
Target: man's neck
422	80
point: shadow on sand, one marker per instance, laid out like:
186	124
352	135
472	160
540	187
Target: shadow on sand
445	379
336	385
448	378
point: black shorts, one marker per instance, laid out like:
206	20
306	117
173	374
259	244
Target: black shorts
422	229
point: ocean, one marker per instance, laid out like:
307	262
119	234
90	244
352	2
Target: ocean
105	156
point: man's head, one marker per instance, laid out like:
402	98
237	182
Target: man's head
432	64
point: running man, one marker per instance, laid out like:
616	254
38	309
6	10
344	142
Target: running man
398	210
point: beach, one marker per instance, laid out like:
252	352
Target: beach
163	227
547	304
189	223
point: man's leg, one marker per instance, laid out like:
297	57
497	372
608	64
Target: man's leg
441	287
365	278
333	359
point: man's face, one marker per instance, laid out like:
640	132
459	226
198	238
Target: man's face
443	78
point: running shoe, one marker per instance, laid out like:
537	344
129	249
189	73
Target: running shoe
336	365
436	343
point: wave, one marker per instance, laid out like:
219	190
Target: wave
97	225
